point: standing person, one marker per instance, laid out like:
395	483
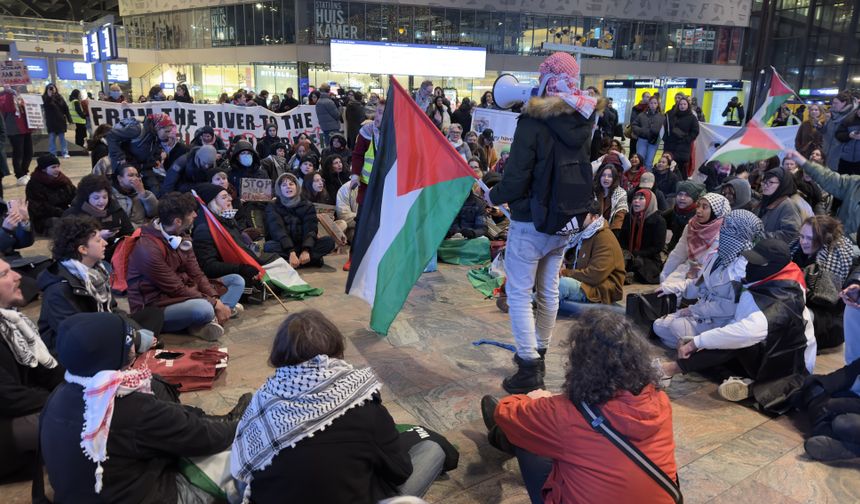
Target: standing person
115	94
424	95
533	259
19	134
848	134
455	138
681	130
355	116
842	106
438	114
328	114
734	112
366	146
637	109
487	101
57	117
646	127
49	192
697	110
182	94
289	102
156	94
78	117
809	135
463	115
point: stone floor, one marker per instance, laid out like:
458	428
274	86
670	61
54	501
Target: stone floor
434	376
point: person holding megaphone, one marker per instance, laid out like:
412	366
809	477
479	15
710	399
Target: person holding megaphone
547	185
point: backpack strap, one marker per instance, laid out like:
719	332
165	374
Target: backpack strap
601	424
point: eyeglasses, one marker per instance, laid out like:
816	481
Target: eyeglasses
771	181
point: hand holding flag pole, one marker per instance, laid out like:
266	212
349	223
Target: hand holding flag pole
486	190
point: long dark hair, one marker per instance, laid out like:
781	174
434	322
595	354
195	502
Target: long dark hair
607	355
616	179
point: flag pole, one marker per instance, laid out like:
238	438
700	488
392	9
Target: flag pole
272	292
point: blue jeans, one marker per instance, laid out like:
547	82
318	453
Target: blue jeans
195	312
851	324
532	261
52	148
427	460
570	295
535	470
646	151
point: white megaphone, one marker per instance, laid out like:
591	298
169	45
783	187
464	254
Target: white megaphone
508	92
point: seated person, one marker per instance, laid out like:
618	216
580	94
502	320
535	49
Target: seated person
132	441
594	265
646	181
205	135
346	208
16	233
337	147
777	211
823	247
308	166
93	199
699	240
851	297
716	291
643	236
49	193
316	385
189	170
683	210
275	164
28	374
613	155
455	138
666	177
244	163
739	194
76	281
206	248
136	201
561	457
630	178
611	197
770	337
831	403
716	174
302	149
334	174
163	272
471	221
314	190
266	144
292	226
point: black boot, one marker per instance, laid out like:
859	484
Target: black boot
542	353
495	436
238	410
527	378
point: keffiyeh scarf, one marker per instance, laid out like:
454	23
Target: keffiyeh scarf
294	404
22	337
837	259
100	391
96	281
740	231
577	239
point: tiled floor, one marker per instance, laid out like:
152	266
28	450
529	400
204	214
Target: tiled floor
433	375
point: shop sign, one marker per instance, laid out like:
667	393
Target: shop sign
330	21
628	83
223	26
724	85
681	83
254	189
33	110
14	73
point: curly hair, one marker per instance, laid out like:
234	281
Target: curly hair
70	233
91	184
174	206
607	355
328	165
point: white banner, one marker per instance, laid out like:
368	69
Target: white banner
226	120
502	122
33	109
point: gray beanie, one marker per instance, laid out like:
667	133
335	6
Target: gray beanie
205	156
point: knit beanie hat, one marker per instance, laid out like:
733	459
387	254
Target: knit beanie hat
693	189
161	121
208	192
205	156
46	160
91	342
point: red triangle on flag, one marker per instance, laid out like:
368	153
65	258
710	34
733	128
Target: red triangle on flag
757	137
424	155
778	87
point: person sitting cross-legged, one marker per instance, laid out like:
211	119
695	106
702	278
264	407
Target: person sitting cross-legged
163	272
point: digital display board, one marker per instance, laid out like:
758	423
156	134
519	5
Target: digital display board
37	67
100	44
74	70
407	59
116	72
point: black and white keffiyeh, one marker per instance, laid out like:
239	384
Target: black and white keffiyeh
740	231
294	404
22	337
838	258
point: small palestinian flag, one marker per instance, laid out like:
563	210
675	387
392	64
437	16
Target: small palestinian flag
771	97
751	143
417	186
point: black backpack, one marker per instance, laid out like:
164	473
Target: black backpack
561	187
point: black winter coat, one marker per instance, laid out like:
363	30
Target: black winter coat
363	445
471	220
545	121
266	143
295	229
115	220
355	115
210	259
184	174
680	131
47	201
100	150
462	118
57	116
647	262
147	437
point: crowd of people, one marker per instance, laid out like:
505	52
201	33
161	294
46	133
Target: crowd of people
759	260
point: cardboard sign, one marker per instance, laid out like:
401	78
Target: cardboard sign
254	189
33	110
14	73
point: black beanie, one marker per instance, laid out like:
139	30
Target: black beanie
208	192
766	259
91	342
46	160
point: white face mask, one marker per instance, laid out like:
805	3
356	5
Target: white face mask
246	159
738	269
229	214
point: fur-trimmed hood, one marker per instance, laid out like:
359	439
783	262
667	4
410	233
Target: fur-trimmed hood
553	106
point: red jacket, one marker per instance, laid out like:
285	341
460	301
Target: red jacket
11	111
160	276
587	468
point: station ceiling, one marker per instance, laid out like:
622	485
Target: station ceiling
68	10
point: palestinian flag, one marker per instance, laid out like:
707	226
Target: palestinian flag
417	186
751	143
771	97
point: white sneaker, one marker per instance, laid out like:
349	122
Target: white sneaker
735	389
66	156
22	181
209	332
237	310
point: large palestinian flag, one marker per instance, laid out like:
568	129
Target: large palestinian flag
771	96
751	143
417	187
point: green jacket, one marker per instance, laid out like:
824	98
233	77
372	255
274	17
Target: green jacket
843	187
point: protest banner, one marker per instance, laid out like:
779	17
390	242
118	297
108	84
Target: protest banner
254	189
14	73
33	110
227	120
502	122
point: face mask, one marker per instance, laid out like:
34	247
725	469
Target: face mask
115	94
229	214
246	159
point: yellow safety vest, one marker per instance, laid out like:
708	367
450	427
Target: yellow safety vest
734	115
77	119
368	163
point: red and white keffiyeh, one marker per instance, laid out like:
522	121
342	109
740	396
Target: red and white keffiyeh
100	391
559	76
